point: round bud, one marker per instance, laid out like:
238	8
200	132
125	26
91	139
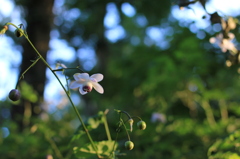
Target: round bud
14	95
19	32
129	145
142	125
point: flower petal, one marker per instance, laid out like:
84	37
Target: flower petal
81	76
63	66
98	87
97	76
74	84
75	76
92	79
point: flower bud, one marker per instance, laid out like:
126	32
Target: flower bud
129	145
14	95
5	27
131	124
142	125
19	32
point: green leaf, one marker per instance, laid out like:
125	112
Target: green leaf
93	122
77	135
28	92
104	148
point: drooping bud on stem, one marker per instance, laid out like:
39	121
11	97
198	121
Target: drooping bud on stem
129	145
142	125
14	95
19	32
131	124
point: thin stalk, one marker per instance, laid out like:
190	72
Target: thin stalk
137	117
112	154
74	107
106	125
125	129
130	120
22	75
129	117
62	69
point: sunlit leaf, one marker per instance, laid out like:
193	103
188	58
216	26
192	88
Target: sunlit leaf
104	148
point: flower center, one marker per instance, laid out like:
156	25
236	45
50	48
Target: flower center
87	89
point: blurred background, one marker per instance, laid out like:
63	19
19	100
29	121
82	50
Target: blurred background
158	63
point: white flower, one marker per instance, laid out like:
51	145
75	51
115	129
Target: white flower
158	117
86	83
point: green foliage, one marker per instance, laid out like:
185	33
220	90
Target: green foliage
226	148
187	83
28	92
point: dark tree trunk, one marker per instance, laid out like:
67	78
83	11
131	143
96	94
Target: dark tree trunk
39	18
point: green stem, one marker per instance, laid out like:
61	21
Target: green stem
22	75
122	111
137	117
114	145
62	69
74	107
121	122
130	120
125	129
106	125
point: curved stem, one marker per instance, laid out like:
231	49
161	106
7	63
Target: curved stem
74	107
130	120
121	122
62	69
22	75
137	117
122	111
129	117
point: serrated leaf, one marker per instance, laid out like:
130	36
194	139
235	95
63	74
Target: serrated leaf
104	148
93	122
